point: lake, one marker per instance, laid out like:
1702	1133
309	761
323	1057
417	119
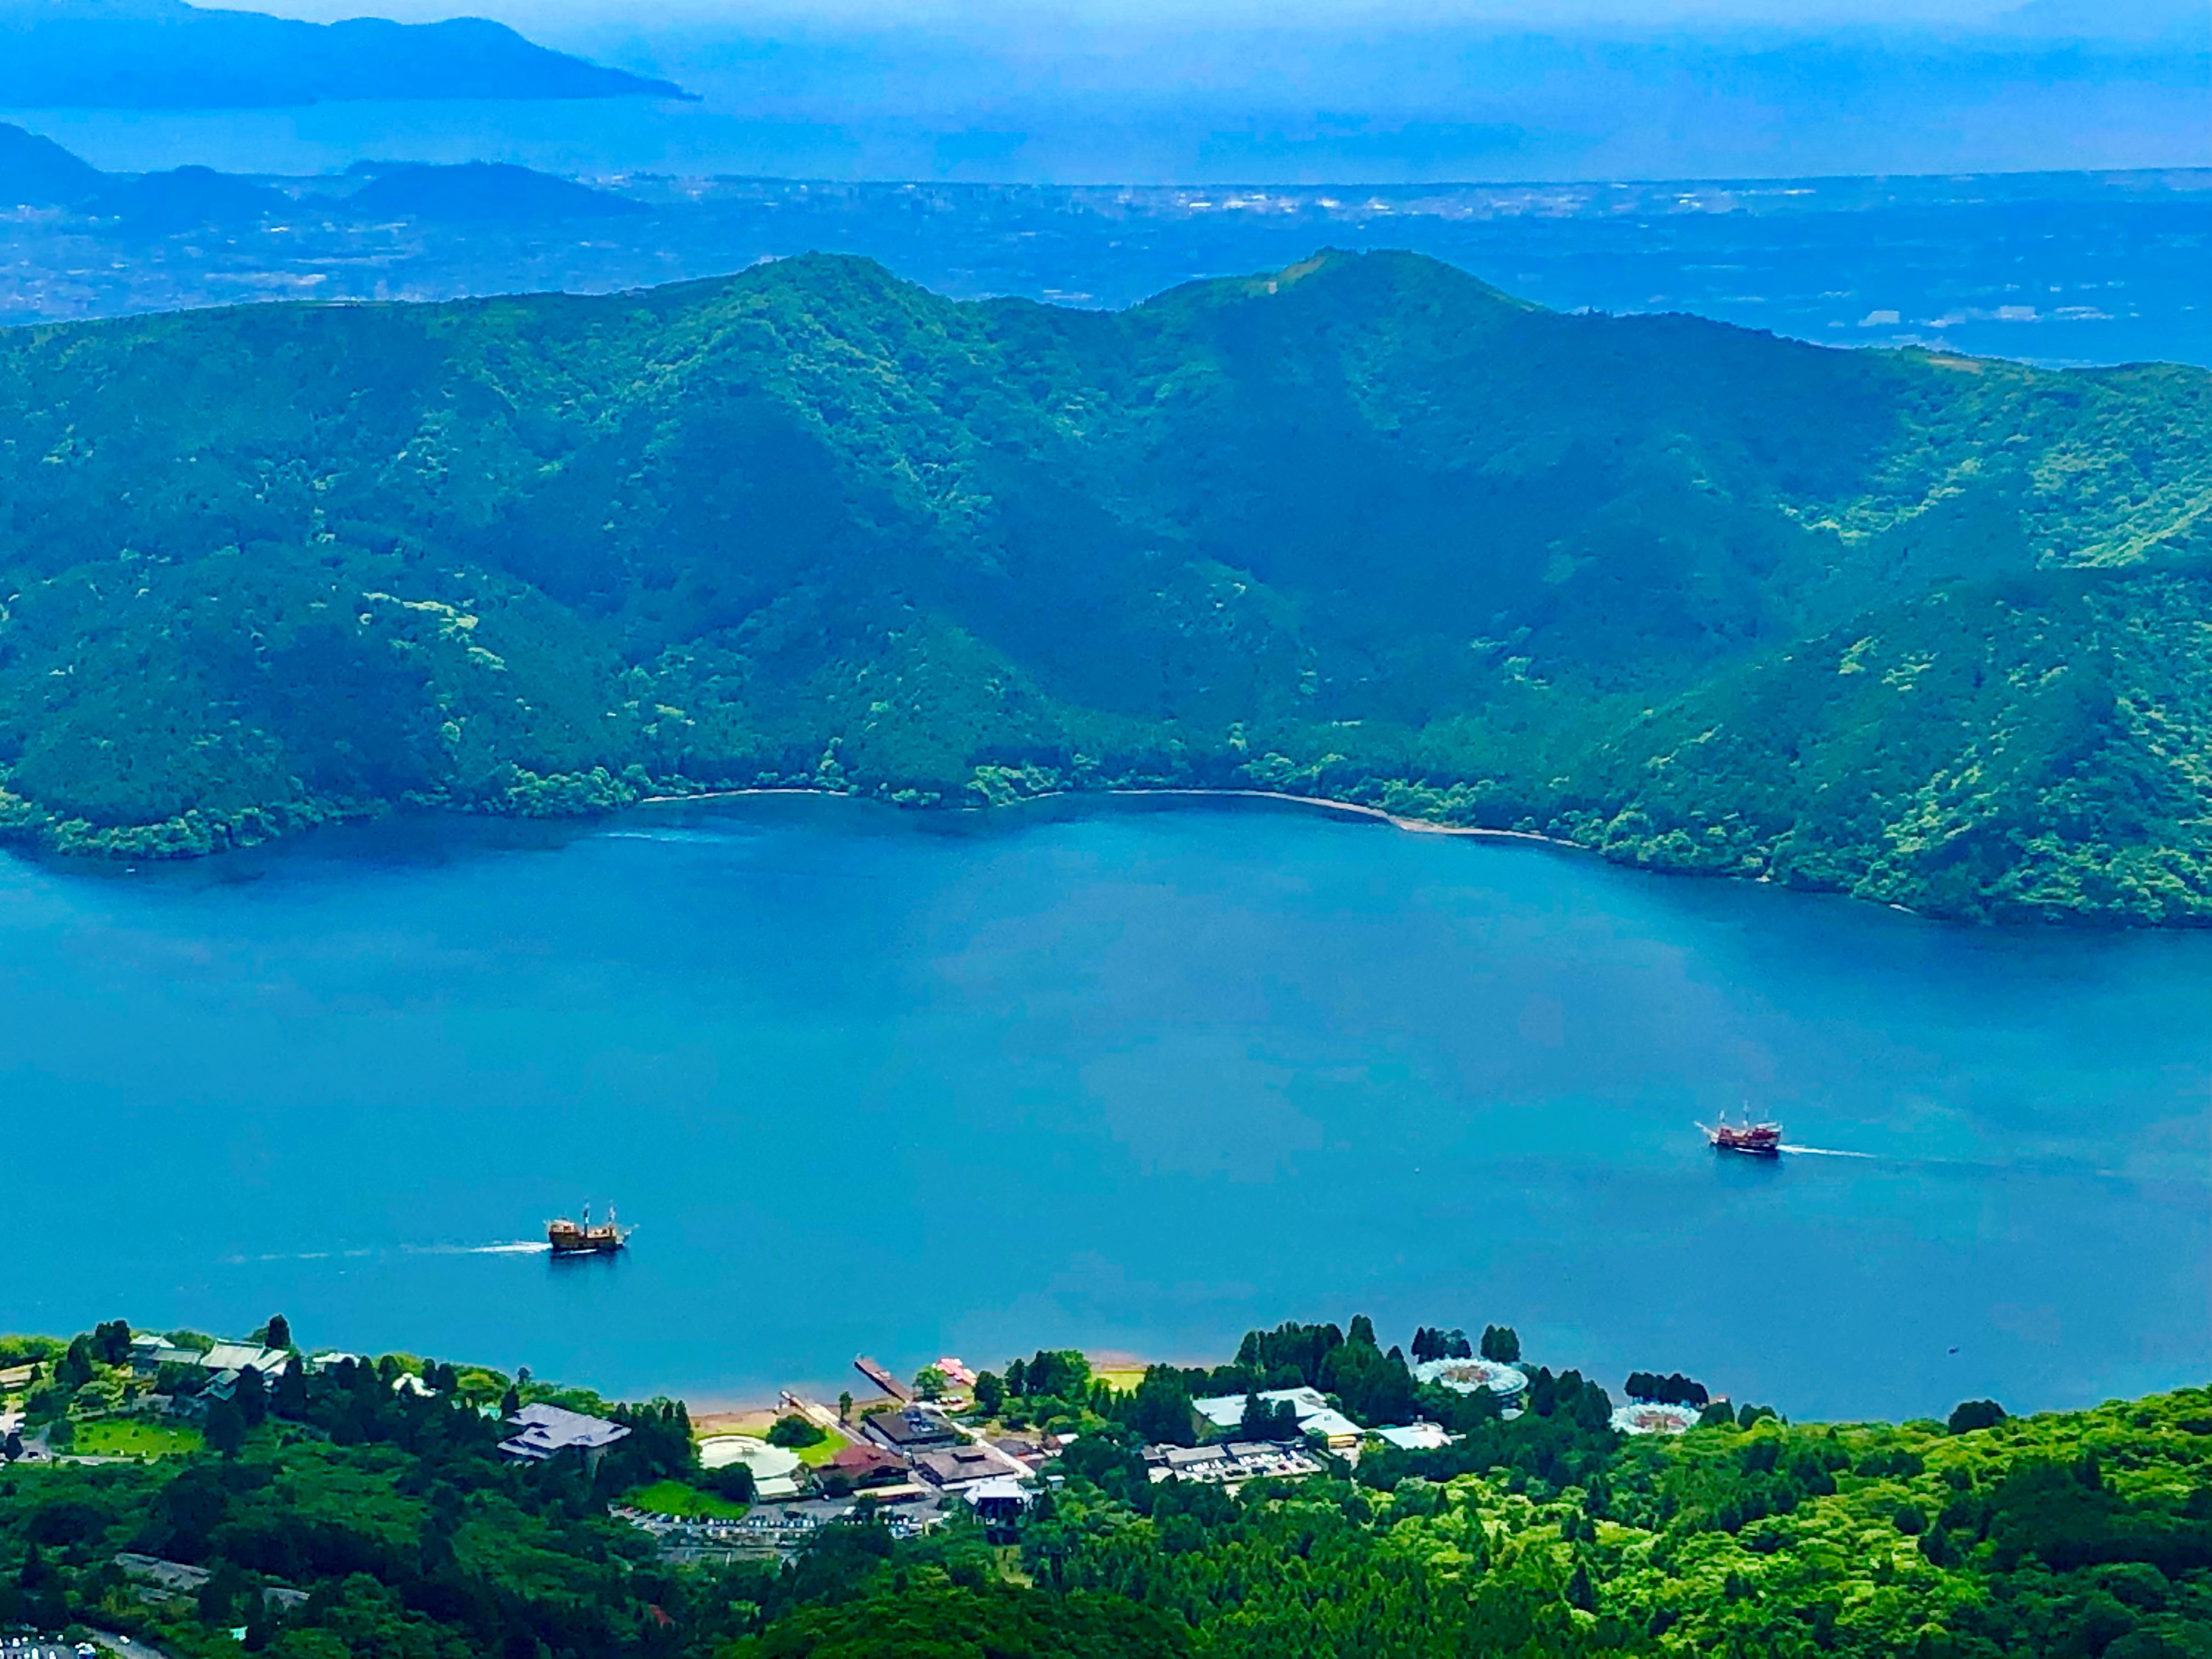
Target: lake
1128	1079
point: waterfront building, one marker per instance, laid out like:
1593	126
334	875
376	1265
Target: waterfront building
915	1429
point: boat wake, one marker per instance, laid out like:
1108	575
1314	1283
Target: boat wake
515	1247
1823	1151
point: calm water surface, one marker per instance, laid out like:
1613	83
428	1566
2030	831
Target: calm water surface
1129	1080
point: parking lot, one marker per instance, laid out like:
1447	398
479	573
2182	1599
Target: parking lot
41	1647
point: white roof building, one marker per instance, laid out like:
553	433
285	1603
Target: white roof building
548	1429
1315	1414
1415	1436
1508	1383
999	1489
1649	1416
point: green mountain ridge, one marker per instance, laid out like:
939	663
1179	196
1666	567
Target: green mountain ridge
1927	629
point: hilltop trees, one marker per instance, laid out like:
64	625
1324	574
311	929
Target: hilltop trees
1501	1343
1289	1355
1673	1389
1429	1345
1971	1414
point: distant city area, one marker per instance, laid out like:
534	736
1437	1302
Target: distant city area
2061	269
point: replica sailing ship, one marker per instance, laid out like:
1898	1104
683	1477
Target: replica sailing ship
582	1238
1762	1140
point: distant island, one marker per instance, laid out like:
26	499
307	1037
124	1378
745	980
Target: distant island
1316	1494
1926	629
164	54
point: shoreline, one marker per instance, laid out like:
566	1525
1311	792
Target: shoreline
1357	809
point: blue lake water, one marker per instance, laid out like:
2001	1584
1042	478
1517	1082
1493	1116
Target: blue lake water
1131	1080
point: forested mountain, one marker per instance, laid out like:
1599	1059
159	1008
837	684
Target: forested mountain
1926	629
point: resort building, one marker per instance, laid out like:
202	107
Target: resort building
915	1429
1651	1417
548	1430
1230	1464
958	1467
1315	1415
1507	1383
862	1464
244	1356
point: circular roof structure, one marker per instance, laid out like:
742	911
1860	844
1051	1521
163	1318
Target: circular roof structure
766	1462
1649	1416
1469	1376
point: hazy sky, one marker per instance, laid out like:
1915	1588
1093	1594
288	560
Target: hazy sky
1378	91
1173	15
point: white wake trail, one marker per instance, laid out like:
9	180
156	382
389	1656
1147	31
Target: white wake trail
1823	1151
515	1247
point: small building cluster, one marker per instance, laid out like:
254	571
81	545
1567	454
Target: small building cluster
1229	1463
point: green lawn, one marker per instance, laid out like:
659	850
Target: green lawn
674	1498
134	1437
815	1456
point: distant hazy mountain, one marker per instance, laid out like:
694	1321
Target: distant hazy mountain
37	172
481	192
1926	629
163	54
186	198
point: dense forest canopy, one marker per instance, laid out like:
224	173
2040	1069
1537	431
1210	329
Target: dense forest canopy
344	1511
1924	629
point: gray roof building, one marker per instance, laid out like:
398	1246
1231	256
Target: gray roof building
913	1430
548	1430
958	1466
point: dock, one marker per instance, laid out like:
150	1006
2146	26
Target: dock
882	1378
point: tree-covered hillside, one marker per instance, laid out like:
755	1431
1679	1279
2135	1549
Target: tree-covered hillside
1928	629
332	1515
